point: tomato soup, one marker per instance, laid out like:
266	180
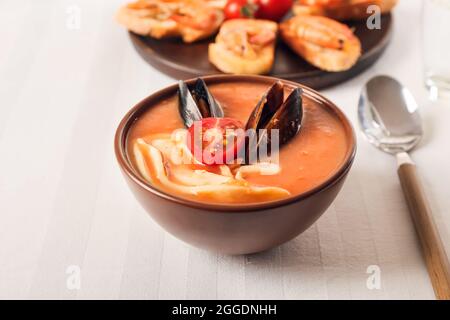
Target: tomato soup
307	160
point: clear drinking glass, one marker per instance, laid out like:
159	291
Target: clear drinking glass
436	44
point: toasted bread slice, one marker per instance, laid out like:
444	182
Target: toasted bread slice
323	42
139	19
244	46
197	19
346	10
219	4
191	20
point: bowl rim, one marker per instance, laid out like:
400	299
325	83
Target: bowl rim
120	142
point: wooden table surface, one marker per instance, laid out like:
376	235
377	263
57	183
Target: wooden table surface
70	228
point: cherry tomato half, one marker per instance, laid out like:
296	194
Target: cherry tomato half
235	9
260	9
216	140
273	9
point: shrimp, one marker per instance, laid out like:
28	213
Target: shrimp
191	20
244	46
323	42
195	16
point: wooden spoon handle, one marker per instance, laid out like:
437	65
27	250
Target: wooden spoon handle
432	247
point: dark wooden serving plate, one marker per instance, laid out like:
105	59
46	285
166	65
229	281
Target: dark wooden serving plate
182	61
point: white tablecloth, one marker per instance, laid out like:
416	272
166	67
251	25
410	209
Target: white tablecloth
65	209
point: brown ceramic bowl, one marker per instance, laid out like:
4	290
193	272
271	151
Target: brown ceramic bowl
233	229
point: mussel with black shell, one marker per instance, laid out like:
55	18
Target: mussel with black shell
197	103
272	118
273	113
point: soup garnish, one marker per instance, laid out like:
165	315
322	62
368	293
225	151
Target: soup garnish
197	103
273	118
272	115
216	140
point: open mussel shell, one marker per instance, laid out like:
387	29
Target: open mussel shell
187	106
197	103
273	119
288	117
209	107
266	107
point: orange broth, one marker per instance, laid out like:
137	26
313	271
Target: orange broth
307	161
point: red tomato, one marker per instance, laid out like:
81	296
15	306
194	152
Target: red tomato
273	9
235	9
260	9
216	140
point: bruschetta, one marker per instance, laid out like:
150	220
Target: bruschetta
244	46
325	43
191	20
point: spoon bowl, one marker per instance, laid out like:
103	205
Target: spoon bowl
389	116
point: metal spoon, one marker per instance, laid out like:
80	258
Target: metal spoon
389	118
